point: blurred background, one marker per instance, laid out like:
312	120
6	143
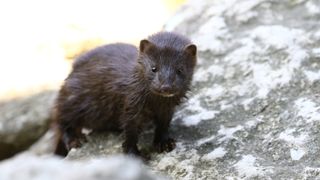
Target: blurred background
40	38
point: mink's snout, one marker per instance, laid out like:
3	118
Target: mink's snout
165	90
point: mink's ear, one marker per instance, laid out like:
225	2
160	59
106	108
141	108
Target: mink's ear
145	45
191	49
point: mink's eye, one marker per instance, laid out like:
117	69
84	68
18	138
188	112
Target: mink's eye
179	71
154	69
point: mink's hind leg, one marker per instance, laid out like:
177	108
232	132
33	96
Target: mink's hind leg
72	137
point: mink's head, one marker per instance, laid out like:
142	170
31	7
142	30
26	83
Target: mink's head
167	61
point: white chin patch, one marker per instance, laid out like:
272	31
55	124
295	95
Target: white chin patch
167	95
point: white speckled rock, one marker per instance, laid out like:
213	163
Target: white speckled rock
28	166
254	111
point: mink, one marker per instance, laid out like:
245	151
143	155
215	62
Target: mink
122	87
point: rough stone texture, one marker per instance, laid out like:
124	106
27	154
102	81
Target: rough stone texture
44	145
254	112
28	166
23	121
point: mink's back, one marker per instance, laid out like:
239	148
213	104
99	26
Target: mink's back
117	53
92	93
108	66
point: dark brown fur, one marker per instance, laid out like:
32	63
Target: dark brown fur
117	87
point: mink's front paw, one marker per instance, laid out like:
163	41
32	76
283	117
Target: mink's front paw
130	150
134	151
167	145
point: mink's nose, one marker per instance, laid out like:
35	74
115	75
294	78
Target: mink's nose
166	88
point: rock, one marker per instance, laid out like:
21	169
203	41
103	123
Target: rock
23	121
28	166
44	145
254	109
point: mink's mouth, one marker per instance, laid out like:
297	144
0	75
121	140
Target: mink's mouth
167	95
164	94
